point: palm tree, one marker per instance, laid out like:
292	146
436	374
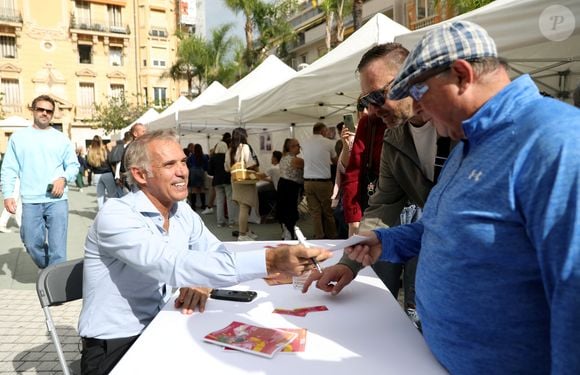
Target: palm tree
357	18
332	9
192	55
274	30
269	20
341	5
201	62
247	7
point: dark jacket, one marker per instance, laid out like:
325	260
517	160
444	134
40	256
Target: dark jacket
216	169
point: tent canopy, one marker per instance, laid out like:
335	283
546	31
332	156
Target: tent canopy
168	118
227	111
538	37
328	88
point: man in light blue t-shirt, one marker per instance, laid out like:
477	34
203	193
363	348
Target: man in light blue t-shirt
44	159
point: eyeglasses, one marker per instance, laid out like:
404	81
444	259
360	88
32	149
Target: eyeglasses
376	98
39	110
417	90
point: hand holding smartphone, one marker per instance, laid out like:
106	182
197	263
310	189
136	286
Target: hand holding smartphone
348	120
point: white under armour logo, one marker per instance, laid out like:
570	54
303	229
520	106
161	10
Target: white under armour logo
475	175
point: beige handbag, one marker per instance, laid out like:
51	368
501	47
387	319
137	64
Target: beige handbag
241	175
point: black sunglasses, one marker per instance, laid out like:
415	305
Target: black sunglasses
39	109
376	98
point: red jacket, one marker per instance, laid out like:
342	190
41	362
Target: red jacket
356	173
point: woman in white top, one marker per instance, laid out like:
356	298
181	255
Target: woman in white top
245	195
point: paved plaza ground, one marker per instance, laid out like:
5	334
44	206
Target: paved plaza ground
25	346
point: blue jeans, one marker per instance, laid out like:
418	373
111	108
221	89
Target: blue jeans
106	188
44	231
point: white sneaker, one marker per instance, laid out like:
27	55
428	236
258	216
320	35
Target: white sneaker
245	238
5	230
207	211
252	235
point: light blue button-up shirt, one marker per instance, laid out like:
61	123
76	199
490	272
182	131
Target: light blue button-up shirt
129	258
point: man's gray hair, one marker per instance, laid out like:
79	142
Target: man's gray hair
137	153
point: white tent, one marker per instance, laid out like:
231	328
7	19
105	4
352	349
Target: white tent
15	122
212	93
328	88
168	118
539	37
147	117
227	112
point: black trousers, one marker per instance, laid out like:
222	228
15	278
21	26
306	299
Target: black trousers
288	196
99	357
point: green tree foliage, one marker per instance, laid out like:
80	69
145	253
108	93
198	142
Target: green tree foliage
116	113
267	20
463	6
201	61
335	11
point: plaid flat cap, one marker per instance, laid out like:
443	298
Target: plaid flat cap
440	47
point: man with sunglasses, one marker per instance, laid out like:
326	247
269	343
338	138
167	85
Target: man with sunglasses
405	177
45	160
499	272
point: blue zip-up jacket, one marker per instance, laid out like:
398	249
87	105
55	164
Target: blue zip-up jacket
498	281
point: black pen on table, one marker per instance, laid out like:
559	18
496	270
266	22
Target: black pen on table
303	242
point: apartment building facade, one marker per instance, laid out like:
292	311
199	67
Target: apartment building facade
84	52
309	23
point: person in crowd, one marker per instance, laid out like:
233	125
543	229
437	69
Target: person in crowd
197	162
136	131
150	239
576	96
97	159
290	186
83	166
209	188
222	183
499	264
406	175
273	173
5	217
115	159
245	195
44	160
318	153
343	151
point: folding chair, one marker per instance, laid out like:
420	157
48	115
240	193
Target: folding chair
57	284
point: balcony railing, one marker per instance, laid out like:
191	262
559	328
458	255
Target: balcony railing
90	25
424	22
10	15
12	108
85	112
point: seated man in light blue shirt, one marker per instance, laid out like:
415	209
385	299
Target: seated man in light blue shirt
150	239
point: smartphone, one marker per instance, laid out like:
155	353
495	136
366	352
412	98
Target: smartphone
233	295
349	122
49	188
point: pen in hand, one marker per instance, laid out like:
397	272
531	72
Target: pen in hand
303	242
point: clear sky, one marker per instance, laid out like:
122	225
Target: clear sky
216	14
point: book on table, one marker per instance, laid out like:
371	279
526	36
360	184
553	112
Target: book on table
252	339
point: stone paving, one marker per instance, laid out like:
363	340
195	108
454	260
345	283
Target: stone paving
25	345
